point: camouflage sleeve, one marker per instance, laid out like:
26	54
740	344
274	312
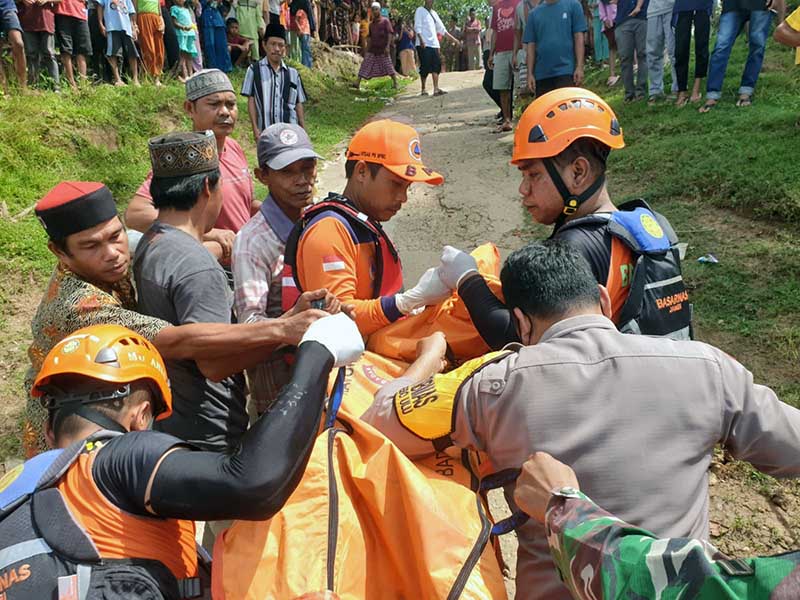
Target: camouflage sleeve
600	556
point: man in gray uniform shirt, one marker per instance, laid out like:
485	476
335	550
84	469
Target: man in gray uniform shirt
637	417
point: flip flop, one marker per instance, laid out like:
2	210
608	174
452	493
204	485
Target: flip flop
707	107
439	93
423	93
612	81
744	101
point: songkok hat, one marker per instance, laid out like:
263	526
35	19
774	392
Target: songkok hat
184	153
206	82
281	144
275	30
74	206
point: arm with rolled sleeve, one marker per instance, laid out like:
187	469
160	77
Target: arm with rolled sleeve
756	426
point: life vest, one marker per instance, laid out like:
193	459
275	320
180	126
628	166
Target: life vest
50	511
657	302
388	269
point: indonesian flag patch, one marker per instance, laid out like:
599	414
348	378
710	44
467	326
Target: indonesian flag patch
332	263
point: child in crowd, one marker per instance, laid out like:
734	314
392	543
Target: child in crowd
185	28
117	19
608	12
238	46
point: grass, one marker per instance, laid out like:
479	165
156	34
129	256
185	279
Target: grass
100	133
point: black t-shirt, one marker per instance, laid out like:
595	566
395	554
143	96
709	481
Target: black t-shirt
593	241
124	465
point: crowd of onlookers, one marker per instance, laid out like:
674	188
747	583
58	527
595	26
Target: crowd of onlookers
534	46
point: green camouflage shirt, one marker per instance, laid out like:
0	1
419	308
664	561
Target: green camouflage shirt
601	557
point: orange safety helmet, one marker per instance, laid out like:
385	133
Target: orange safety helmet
109	353
555	120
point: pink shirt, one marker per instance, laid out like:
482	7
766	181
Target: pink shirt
237	187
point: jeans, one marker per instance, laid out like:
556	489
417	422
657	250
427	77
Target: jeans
659	35
631	36
730	25
40	52
305	50
683	40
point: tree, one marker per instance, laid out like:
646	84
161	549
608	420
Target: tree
445	8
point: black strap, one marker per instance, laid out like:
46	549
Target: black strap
95	416
571	202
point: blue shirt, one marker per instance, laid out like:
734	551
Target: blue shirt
117	15
6	5
277	219
552	27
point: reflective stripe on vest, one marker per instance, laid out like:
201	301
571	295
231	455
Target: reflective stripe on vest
389	272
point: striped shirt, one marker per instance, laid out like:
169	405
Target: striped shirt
277	93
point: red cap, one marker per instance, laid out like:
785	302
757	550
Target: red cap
74	206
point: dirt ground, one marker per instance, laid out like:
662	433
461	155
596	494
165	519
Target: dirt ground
750	513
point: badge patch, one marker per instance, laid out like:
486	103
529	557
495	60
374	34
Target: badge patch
651	226
414	149
288	137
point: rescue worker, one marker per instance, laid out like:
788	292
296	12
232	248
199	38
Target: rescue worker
113	511
92	285
339	243
588	545
561	145
596	398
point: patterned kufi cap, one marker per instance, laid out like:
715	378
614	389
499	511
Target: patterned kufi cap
206	82
182	154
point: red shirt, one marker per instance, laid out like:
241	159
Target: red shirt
379	32
237	40
72	8
237	187
37	17
503	25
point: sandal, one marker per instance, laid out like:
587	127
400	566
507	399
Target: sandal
612	81
682	100
744	101
503	128
707	107
439	93
423	93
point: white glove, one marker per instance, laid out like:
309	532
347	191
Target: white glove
340	336
430	289
455	265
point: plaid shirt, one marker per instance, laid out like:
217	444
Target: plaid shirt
257	263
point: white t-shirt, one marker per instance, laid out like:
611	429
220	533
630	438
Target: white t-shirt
426	25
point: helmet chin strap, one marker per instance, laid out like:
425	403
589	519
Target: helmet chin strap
571	202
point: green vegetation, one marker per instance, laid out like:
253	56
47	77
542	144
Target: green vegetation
100	134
